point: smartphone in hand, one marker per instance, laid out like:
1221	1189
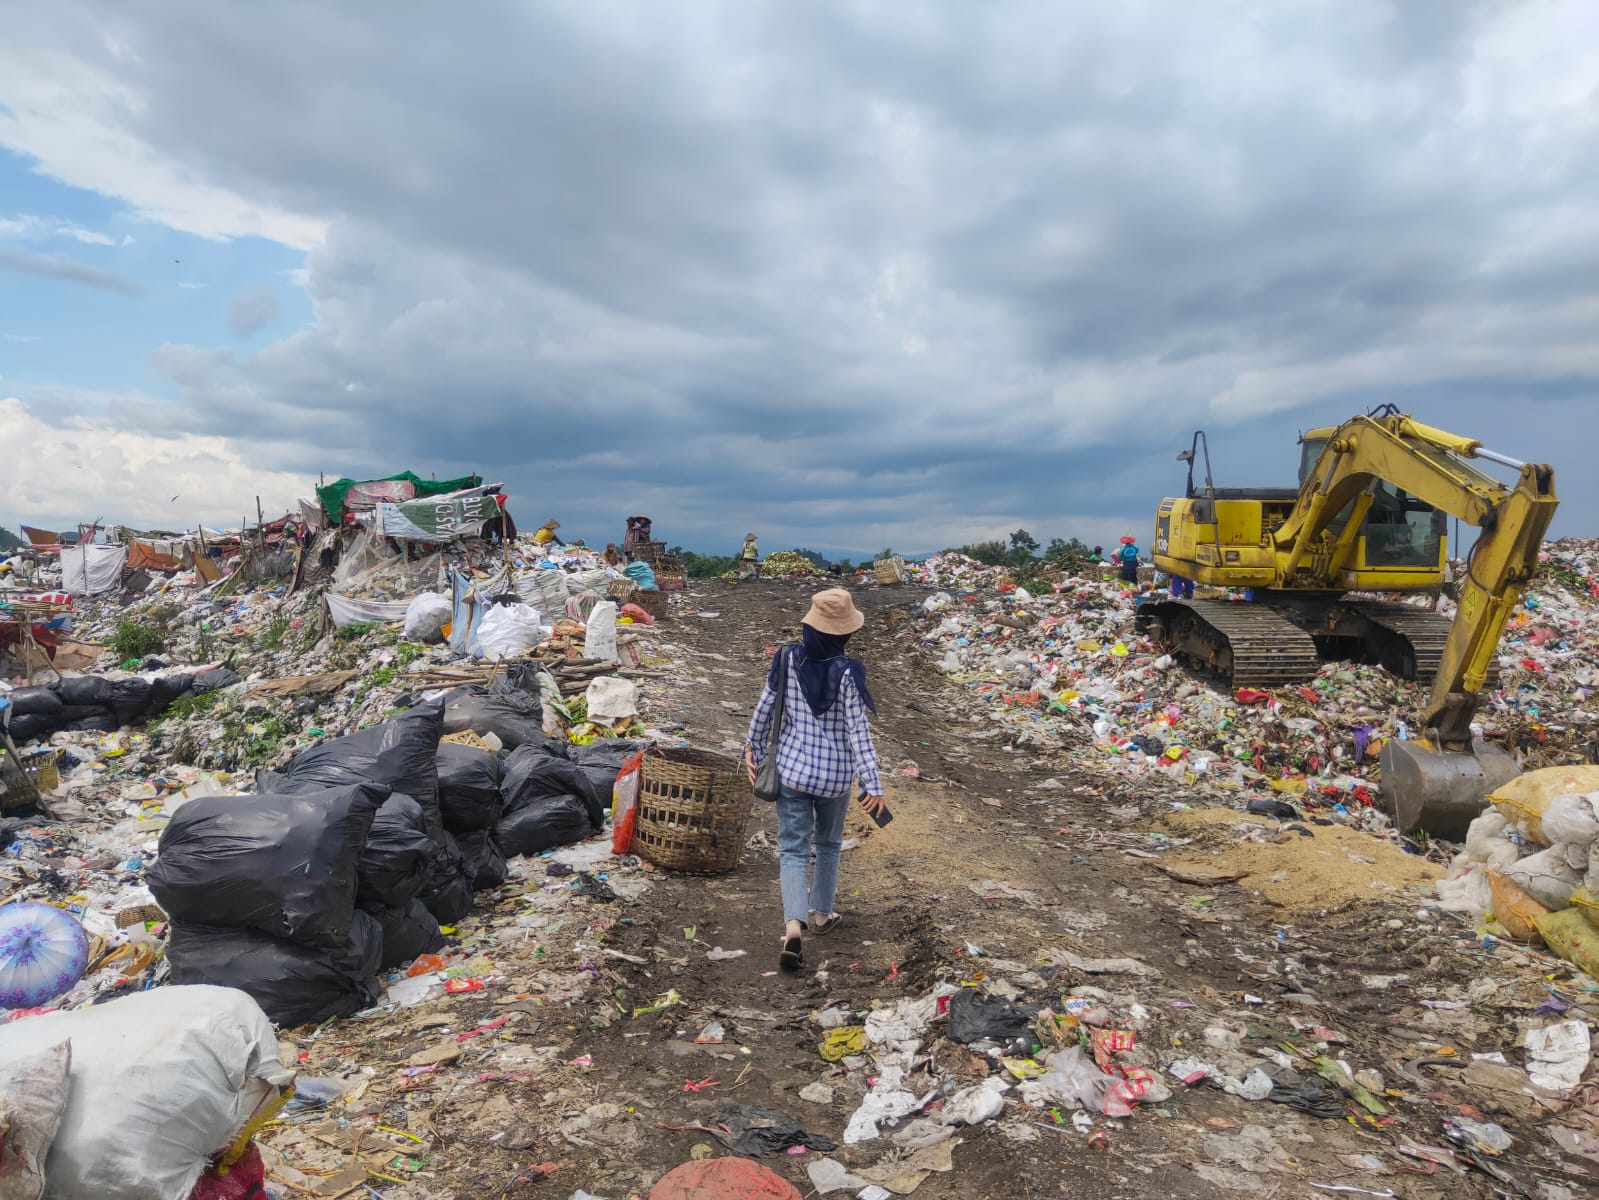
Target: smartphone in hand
882	818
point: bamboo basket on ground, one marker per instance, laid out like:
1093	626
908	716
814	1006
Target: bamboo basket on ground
653	603
693	806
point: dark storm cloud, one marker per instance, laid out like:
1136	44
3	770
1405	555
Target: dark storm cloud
855	273
68	270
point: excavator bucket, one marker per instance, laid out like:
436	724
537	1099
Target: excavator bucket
1440	791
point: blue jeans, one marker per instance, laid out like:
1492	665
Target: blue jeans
801	820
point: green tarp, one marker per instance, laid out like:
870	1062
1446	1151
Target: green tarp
333	495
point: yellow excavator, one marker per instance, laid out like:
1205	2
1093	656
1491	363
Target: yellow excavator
1370	515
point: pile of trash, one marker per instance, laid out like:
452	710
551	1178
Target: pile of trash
1530	868
789	565
1064	672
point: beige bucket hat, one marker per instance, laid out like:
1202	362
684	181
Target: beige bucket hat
834	612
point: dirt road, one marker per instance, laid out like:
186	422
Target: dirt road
995	860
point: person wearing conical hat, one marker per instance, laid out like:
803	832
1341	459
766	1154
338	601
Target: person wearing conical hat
824	747
750	556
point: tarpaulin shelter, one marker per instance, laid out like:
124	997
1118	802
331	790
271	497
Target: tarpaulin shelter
440	518
92	568
349	495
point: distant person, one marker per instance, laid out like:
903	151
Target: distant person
612	556
750	556
824	747
1097	555
546	535
1127	556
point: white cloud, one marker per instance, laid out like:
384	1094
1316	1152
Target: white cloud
71	115
30	228
79	468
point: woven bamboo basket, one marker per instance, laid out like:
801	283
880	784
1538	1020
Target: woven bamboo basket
693	806
653	603
888	571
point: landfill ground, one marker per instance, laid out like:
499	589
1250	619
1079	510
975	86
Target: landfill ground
997	861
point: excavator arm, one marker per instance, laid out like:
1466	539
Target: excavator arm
1433	466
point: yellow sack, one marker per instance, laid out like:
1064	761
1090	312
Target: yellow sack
1587	905
1569	935
1524	798
1516	912
847	1039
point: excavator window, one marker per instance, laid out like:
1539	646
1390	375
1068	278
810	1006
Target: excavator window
1400	531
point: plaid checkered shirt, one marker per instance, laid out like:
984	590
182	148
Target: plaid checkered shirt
819	756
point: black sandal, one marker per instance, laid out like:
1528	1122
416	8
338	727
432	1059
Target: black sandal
793	956
825	927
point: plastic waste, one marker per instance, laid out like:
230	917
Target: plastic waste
33	1095
611	699
294	984
974	1017
447	894
407	932
599	642
393	866
425	618
534	773
160	1080
515	717
284	865
1549	876
469	788
485	862
509	631
762	1132
624	804
401	753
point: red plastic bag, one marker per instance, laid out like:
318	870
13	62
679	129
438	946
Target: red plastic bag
245	1180
624	803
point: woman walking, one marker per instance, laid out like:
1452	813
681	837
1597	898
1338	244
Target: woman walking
824	745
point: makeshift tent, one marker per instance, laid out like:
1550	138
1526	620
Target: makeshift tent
337	499
91	569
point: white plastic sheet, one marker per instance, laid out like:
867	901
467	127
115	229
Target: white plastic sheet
612	700
92	569
160	1081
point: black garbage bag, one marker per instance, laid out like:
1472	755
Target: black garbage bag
284	865
516	718
534	773
393	866
543	823
485	861
757	1132
1309	1094
130	700
448	890
974	1016
293	984
407	931
469	788
216	677
35	701
85	691
164	689
399	753
102	723
602	760
32	726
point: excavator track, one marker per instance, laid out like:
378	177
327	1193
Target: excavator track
1248	645
1415	639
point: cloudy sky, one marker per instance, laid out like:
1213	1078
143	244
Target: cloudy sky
850	274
